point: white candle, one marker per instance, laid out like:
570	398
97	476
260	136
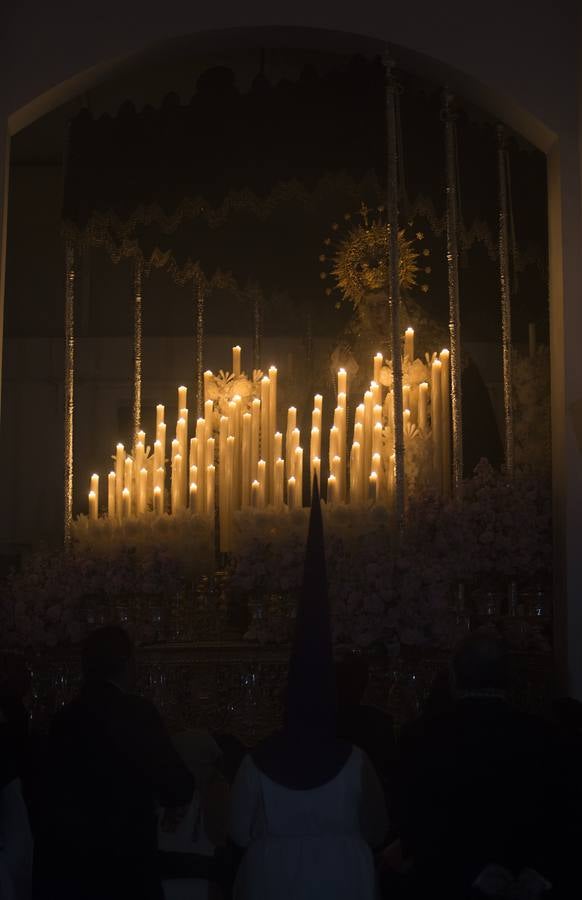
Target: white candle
314	450
355	473
359	417
193	457
161	437
279	483
315	472
93	511
342	400
158	500
157	455
298	470
376	392
289	449
182	397
193	479
125	503
436	423
405	396
176	486
139	458
444	357
291	492
159	415
261	478
255	494
159	479
142	491
210	451
208	377
128	473
236	351
246	459
316	418
255	435
368	414
332	489
226	533
334	444
406	421
342	382
210	480
377	438
111	488
373	480
409	344
318	402
193	497
422	405
208	418
274	455
119	475
201	462
378	362
181	433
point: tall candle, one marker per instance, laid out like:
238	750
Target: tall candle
373	481
175	487
444	357
342	400
367	448
182	433
128	473
193	457
376	389
139	458
409	344
201	462
355	472
314	449
342	382
111	478
378	362
236	351
208	418
227	542
246	459
291	493
405	396
210	451
93	510
125	503
422	405
182	397
339	420
158	500
255	494
266	438
159	416
142	491
298	470
262	478
436	422
316	418
210	490
332	489
157	455
289	449
255	434
277	447
272	423
278	496
161	437
159	479
334	444
315	472
208	378
119	476
377	438
318	402
359	417
193	505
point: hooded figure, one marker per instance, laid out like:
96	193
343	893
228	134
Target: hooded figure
306	805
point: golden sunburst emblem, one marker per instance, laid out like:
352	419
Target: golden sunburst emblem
358	261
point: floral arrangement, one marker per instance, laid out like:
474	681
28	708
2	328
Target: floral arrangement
225	386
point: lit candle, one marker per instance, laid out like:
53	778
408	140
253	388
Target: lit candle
266	437
158	500
208	377
159	479
355	472
236	351
141	437
255	435
210	451
376	392
111	495
226	538
182	433
359	417
161	437
316	418
291	492
273	423
182	397
261	478
377	470
142	491
157	455
279	482
139	457
405	396
255	494
208	418
125	503
409	344
159	415
193	497
342	400
314	449
422	405
368	414
377	414
194	480
210	479
406	421
289	449
444	357
373	479
378	362
318	402
436	423
176	486
119	475
193	457
298	470
342	382
93	511
334	444
201	462
246	459
332	489
128	473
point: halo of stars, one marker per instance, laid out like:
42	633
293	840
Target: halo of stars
358	261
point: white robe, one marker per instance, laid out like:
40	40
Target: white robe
310	844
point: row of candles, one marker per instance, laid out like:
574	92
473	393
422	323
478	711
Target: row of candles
261	466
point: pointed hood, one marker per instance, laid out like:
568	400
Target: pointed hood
307	752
